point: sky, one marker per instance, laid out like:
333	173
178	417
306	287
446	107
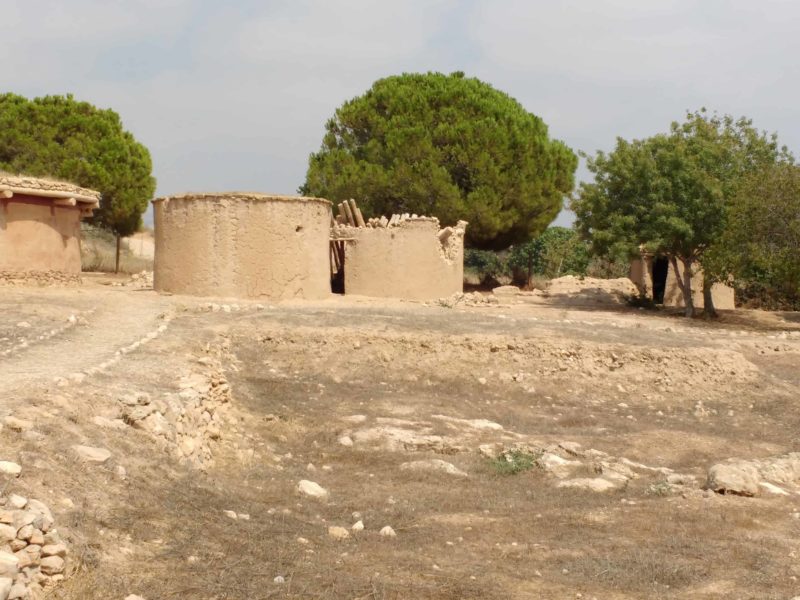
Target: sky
235	95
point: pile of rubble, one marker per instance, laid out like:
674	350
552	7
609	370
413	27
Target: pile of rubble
32	554
39	278
188	422
143	280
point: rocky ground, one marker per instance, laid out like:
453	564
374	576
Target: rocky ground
499	447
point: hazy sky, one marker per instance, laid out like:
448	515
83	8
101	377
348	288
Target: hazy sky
234	95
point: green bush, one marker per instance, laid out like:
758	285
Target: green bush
486	265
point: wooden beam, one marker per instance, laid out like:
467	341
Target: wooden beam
348	211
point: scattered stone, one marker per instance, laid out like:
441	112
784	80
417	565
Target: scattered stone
560	467
230	514
17	501
10	468
279	579
133	597
358	526
433	465
92	454
387	531
740	478
312	489
346	441
338	533
593	484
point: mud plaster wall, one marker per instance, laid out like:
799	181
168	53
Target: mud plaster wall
35	235
407	261
242	245
642	276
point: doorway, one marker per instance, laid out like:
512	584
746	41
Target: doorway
660	272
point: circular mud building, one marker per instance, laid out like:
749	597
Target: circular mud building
242	245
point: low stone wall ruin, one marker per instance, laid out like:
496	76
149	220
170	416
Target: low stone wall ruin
405	257
242	245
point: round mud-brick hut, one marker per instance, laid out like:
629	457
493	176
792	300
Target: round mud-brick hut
40	224
242	245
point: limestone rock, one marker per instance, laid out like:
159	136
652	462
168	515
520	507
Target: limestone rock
9	565
593	484
17	592
338	533
7	533
312	489
52	565
54	550
17	501
133	597
92	454
358	526
6	585
10	468
560	467
433	465
387	531
739	478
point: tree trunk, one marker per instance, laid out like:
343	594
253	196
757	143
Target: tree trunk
709	312
116	264
685	284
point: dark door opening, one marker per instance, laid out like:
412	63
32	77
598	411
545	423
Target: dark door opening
660	271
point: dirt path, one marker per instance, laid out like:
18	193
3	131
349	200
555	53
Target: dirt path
108	321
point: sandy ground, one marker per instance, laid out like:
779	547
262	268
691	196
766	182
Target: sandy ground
364	397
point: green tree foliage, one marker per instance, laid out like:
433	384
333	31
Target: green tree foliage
762	241
670	193
447	146
486	264
558	251
60	137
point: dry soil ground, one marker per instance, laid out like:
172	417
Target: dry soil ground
363	397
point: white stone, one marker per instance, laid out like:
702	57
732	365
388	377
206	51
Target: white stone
358	526
312	489
387	531
92	454
338	533
739	478
17	501
230	514
773	489
10	468
6	583
9	565
133	597
346	440
593	484
279	579
560	467
433	465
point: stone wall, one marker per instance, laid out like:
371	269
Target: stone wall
242	245
413	259
36	235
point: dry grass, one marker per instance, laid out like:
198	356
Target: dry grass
98	254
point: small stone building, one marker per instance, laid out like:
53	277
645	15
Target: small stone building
40	225
243	245
405	257
656	278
